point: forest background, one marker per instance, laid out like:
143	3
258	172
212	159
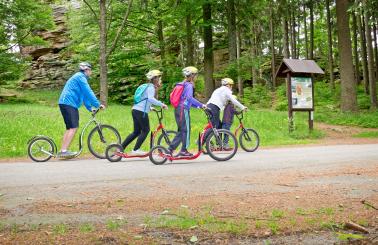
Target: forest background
41	43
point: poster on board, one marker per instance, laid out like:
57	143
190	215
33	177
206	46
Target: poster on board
301	93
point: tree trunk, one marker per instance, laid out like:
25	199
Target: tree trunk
189	41
348	86
311	55
238	53
330	53
355	49
253	52
361	30
271	25
208	49
160	35
298	51
103	51
375	49
231	30
286	36
294	35
305	29
291	34
371	68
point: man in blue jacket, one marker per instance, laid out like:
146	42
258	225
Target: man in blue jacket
75	92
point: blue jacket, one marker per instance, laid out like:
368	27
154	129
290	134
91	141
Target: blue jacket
76	91
148	99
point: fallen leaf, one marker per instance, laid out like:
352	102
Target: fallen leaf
193	239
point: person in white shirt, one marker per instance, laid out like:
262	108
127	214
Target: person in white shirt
219	99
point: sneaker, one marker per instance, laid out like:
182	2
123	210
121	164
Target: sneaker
185	154
170	152
66	154
226	147
137	153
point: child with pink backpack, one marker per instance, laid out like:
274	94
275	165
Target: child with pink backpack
182	99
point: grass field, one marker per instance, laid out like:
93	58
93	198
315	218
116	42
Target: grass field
37	113
19	122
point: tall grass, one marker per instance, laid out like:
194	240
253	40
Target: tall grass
20	122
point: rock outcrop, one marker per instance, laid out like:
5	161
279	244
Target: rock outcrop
50	65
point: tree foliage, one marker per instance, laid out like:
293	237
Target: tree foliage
19	21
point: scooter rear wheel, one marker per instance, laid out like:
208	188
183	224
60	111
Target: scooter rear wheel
111	152
158	155
221	147
41	149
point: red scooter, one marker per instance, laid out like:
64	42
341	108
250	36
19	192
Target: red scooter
114	152
215	145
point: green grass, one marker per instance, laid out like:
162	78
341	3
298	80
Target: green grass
274	227
348	236
364	119
114	225
2	226
371	134
20	122
60	229
86	228
35	112
277	214
204	220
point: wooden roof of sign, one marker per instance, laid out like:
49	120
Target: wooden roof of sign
298	66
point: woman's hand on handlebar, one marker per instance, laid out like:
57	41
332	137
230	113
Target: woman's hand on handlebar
164	106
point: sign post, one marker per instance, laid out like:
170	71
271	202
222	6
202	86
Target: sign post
300	87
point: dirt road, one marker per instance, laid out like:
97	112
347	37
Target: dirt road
299	182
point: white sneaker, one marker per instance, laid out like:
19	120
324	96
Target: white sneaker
137	153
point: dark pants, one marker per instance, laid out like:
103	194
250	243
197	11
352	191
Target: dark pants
215	115
141	129
70	115
215	119
182	117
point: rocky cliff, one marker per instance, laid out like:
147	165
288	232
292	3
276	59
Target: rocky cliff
51	65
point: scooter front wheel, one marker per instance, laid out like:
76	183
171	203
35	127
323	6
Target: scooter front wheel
249	140
111	152
100	137
158	155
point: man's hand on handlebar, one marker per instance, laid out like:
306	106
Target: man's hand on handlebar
102	106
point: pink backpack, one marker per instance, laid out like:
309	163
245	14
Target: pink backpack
175	96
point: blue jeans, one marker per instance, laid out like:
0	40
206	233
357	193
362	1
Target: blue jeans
228	127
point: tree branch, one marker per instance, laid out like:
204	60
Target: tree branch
110	21
17	43
145	29
115	41
90	7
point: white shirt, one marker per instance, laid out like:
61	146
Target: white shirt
221	96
